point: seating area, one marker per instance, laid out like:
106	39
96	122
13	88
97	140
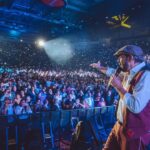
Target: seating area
53	130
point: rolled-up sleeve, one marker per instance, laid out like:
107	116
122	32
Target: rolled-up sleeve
141	94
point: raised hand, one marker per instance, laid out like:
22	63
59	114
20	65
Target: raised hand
96	65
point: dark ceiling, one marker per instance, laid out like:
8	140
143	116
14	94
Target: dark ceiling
28	19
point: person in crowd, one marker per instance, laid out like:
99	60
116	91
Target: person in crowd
100	102
88	100
38	107
50	94
68	102
109	97
32	93
80	94
22	94
78	104
7	108
46	105
22	108
42	95
53	105
58	98
17	99
63	93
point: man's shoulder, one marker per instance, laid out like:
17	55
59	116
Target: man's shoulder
146	75
146	67
146	70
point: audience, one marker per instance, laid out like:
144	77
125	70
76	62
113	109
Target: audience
27	91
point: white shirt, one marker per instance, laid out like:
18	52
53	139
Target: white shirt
141	93
90	101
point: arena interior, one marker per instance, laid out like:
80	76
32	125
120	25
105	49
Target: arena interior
47	86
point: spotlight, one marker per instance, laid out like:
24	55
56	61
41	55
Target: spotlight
59	50
40	43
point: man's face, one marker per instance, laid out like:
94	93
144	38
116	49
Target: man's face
123	62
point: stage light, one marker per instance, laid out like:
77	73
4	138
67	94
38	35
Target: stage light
59	50
40	42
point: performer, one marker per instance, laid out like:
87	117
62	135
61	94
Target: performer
132	129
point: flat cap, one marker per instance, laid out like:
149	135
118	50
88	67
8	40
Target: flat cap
130	50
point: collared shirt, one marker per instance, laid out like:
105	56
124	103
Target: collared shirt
141	93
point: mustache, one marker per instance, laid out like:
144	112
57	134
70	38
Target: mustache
124	67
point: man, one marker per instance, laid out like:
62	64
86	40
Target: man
132	130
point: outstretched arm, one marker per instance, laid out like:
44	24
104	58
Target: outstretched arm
99	67
105	70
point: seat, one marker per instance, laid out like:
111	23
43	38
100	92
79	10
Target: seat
65	128
65	120
47	132
89	113
55	125
82	114
23	122
9	132
97	111
74	118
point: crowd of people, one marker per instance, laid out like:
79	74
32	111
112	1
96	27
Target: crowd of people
30	91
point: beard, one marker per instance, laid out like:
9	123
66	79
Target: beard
124	67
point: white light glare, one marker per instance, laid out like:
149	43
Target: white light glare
41	43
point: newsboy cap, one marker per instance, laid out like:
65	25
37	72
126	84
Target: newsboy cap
130	50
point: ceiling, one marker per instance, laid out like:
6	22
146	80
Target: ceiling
28	19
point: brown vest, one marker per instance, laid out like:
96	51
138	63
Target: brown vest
136	125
